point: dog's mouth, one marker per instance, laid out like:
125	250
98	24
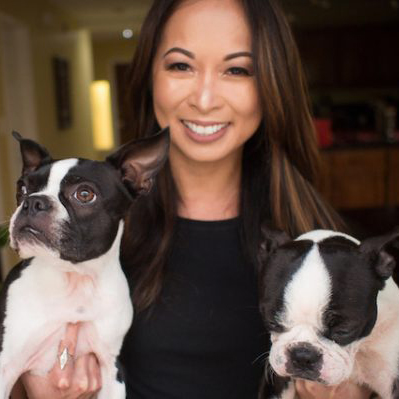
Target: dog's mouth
308	375
30	230
30	233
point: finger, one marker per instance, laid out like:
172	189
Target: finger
301	390
70	339
312	390
81	377
94	373
63	370
93	378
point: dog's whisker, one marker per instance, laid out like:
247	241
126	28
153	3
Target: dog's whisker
261	357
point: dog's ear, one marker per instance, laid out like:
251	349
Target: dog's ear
270	240
384	263
33	154
140	160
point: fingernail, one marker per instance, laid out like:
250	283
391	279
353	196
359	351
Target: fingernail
84	384
63	383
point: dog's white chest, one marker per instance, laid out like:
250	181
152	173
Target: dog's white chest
43	300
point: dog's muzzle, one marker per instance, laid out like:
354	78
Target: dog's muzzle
304	361
33	222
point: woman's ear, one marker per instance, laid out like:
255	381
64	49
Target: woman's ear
33	154
140	160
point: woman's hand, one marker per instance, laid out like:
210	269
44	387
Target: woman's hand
79	379
347	390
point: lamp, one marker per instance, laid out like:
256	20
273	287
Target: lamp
101	113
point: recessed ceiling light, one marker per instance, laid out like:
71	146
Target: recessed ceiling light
127	33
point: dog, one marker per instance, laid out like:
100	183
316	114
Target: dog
332	309
67	228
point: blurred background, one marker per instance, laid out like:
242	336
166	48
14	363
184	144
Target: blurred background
63	67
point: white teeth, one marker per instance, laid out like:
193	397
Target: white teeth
205	130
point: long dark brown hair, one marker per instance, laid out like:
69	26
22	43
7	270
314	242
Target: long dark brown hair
280	161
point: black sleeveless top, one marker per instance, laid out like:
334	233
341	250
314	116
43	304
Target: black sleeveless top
204	338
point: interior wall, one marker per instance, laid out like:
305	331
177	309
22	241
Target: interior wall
38	15
75	47
31	34
17	111
109	51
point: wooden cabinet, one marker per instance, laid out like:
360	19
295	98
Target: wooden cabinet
350	57
361	178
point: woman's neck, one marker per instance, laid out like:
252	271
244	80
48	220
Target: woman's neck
207	190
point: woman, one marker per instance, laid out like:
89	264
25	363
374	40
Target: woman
225	76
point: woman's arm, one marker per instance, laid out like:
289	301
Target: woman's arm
79	379
346	390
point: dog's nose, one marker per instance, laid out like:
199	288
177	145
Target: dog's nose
304	356
35	204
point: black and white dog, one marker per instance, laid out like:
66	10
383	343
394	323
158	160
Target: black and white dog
68	227
332	309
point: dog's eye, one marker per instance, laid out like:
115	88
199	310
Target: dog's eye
22	191
342	336
274	326
21	188
85	195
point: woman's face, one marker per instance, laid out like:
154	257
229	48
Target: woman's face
203	81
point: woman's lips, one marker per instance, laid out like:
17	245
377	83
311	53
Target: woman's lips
205	131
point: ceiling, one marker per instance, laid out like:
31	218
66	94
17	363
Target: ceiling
110	17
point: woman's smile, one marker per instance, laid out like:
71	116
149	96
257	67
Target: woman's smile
204	131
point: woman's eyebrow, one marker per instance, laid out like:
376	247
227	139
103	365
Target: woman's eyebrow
191	55
179	50
239	54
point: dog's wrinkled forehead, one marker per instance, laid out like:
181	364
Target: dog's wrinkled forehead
47	180
318	236
309	290
53	178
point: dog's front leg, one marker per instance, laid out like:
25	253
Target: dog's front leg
7	382
113	385
289	390
395	389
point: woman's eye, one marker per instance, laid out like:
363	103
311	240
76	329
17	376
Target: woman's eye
178	66
22	191
238	71
85	195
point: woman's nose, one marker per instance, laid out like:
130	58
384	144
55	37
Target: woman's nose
205	94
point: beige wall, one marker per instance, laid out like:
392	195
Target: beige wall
39	15
75	47
42	32
109	51
45	33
